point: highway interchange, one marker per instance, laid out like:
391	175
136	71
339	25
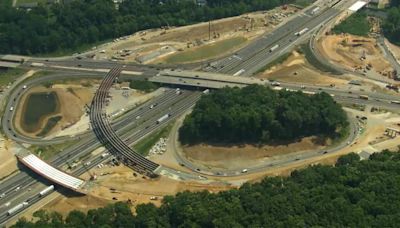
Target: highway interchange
25	187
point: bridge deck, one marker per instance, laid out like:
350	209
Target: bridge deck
49	172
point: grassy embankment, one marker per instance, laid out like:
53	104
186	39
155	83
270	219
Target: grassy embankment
143	146
9	76
205	52
357	24
49	151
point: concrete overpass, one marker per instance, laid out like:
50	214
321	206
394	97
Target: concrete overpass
203	79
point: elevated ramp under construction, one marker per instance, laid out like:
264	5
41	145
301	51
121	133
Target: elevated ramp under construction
52	174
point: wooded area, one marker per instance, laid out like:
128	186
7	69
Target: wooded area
61	27
257	114
391	25
352	194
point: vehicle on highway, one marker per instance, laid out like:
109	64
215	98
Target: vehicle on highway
11	108
164	117
2	195
244	171
206	91
301	32
17	189
239	72
276	46
17	208
24	87
365	97
395	102
46	190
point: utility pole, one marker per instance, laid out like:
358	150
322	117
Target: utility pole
209	30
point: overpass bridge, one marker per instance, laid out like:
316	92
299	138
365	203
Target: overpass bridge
51	173
203	79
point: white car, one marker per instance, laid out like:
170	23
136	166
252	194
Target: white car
11	108
244	171
24	87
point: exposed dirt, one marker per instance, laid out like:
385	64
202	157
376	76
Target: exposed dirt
225	157
296	69
354	52
72	100
126	187
152	44
8	160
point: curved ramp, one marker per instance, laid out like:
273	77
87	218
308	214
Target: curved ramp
52	174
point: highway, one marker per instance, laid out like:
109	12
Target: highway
250	59
258	54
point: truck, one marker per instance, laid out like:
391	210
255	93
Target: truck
206	91
46	190
395	102
365	97
301	32
275	83
273	48
37	64
162	118
315	10
239	72
16	208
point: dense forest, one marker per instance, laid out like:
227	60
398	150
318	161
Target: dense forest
257	114
61	27
391	25
352	194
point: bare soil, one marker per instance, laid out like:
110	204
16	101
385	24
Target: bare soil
72	99
348	51
224	157
248	26
8	160
296	69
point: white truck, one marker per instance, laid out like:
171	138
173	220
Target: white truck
164	117
315	10
46	190
17	208
274	48
301	32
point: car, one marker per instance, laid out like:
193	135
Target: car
325	152
24	87
153	198
198	170
244	171
17	189
114	198
2	195
11	108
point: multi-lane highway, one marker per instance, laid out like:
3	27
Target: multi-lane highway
250	59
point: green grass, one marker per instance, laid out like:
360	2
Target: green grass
311	59
143	146
205	52
30	1
275	62
144	86
11	75
356	24
303	3
49	151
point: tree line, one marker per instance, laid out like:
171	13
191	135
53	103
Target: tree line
257	114
391	25
352	193
63	27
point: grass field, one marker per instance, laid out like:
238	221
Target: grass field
356	24
143	146
19	2
303	3
9	76
311	59
275	62
47	152
205	52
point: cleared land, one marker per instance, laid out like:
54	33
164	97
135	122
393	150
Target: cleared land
296	69
236	157
354	52
192	43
